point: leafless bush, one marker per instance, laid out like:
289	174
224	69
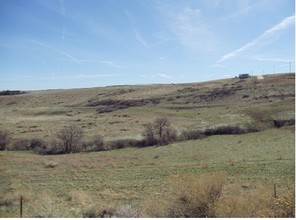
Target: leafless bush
20	144
191	135
53	147
169	136
283	122
5	139
123	143
229	129
37	143
71	138
188	196
222	130
99	143
149	134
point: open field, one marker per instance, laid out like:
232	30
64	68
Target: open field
72	184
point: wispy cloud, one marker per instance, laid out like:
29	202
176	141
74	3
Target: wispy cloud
62	52
113	64
265	38
272	59
191	29
160	76
140	38
244	8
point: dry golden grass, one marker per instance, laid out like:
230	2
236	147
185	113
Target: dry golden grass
255	200
210	195
187	196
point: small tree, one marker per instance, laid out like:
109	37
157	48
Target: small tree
149	134
71	138
161	125
5	139
160	131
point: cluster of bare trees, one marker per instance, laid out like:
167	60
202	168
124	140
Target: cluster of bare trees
70	138
159	132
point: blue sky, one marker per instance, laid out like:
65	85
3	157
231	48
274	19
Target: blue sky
46	44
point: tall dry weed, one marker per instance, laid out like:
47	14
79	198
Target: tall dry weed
208	195
256	200
187	196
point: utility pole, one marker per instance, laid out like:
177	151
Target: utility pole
290	67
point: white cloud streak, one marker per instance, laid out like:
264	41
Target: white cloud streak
272	59
112	64
160	76
267	37
244	9
140	38
191	29
62	52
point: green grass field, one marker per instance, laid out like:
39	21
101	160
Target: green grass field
68	185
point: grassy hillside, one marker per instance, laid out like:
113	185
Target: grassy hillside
76	185
127	108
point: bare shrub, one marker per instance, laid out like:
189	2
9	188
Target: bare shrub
149	134
123	143
191	135
5	139
71	138
53	147
20	144
251	129
224	130
37	143
278	123
99	143
187	196
168	136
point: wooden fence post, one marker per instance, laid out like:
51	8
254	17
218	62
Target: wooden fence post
274	190
21	207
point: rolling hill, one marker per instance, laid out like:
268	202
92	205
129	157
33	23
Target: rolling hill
127	108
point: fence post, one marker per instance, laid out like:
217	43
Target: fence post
21	207
274	190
